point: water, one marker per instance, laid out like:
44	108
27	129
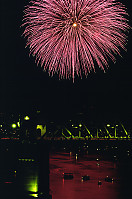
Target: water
92	165
24	170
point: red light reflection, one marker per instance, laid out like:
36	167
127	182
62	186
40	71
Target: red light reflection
76	188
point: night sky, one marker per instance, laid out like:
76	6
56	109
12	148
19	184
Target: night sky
24	87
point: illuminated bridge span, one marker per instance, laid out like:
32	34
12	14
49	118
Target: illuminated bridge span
85	132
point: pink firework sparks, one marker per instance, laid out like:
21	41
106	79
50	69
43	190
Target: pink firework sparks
68	36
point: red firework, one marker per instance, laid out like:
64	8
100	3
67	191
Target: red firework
68	36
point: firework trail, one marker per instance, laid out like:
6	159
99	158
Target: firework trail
69	36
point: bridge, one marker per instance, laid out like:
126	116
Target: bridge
82	131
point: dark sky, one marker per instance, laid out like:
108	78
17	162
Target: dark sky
25	87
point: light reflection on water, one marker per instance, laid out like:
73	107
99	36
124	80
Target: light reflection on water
34	195
27	179
32	184
23	179
76	188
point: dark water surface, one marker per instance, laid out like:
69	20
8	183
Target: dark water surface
24	170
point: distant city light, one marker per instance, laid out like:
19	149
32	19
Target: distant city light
27	160
18	124
108	125
80	125
14	126
26	118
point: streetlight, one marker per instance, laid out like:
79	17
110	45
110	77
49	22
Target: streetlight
80	125
18	124
13	126
26	118
108	125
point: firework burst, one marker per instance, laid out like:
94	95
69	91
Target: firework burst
69	36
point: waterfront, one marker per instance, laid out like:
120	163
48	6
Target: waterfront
76	188
97	162
24	169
